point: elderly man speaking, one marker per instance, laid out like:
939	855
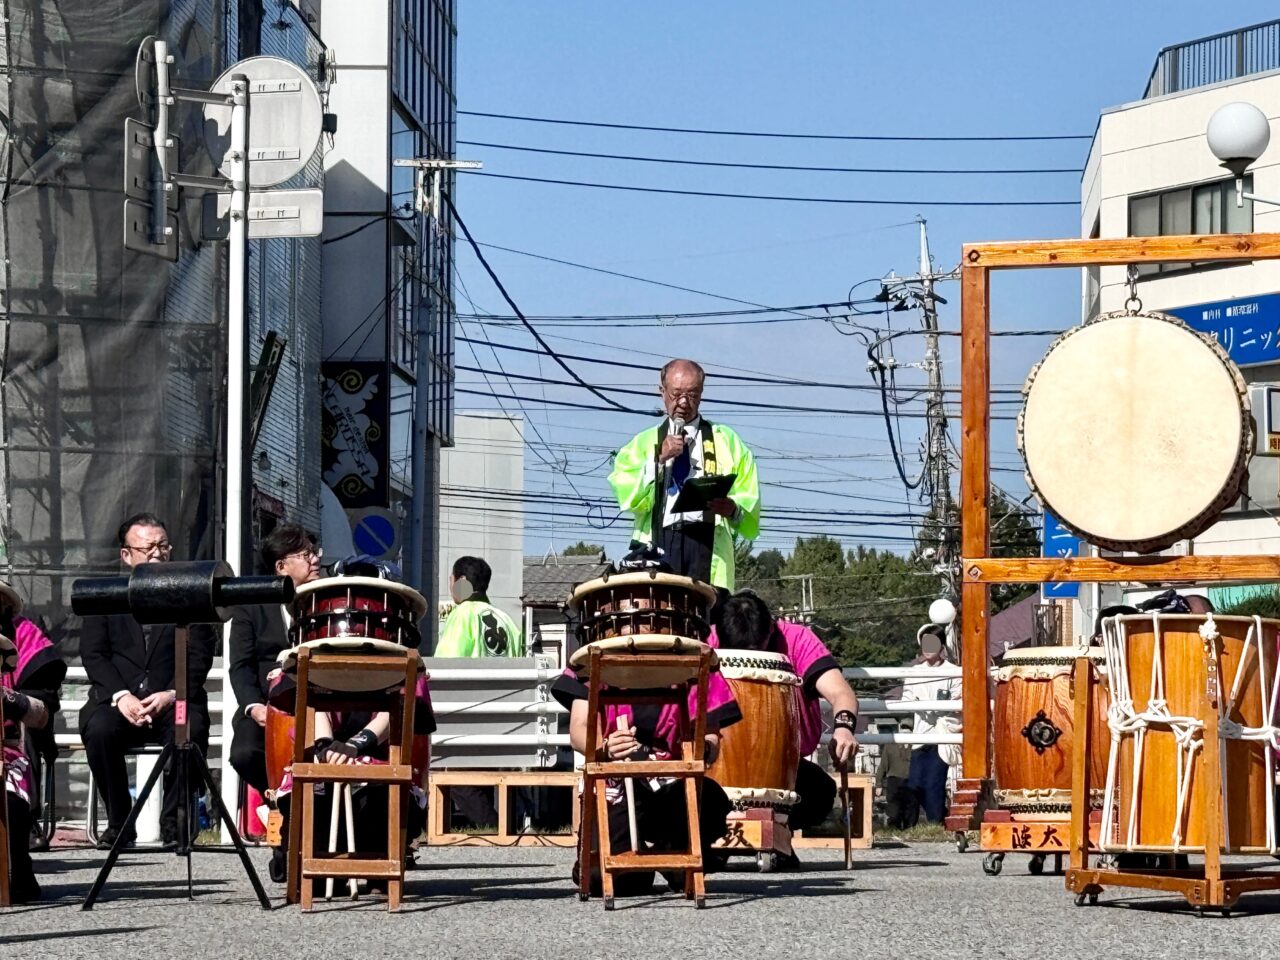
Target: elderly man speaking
650	473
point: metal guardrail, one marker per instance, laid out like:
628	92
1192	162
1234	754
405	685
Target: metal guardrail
1223	56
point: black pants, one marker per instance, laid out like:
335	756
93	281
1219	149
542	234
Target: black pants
249	752
107	735
928	782
901	808
20	820
817	796
688	548
661	825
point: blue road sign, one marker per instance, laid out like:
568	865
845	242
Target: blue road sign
1058	541
374	534
1248	328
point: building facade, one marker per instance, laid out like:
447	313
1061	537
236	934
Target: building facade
481	510
388	267
1150	172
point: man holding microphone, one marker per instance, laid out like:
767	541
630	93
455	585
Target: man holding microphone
652	470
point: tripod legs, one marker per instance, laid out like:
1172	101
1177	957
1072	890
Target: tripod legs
184	756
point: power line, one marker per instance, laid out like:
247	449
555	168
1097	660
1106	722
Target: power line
847	201
798	168
658	315
516	309
778	136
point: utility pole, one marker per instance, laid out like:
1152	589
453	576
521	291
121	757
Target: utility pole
937	463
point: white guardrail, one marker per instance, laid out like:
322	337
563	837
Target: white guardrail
538	680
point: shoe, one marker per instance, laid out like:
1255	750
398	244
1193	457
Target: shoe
23	888
789	863
107	838
169	839
278	866
675	880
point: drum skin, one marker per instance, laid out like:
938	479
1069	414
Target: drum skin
1119	454
1033	694
1244	772
762	750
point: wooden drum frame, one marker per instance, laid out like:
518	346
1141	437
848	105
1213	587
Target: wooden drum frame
347	607
1167	671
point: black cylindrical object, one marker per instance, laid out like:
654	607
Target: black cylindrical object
101	596
253	590
177	592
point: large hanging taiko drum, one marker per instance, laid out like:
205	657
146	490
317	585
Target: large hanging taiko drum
1136	431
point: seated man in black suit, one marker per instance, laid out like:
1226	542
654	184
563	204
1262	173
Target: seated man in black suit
258	635
131	700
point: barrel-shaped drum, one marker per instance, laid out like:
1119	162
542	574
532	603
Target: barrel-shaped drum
1035	727
1167	673
759	754
344	607
629	604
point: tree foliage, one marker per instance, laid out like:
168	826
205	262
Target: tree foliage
583	549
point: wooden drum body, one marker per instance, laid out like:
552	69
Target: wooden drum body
1136	431
759	755
1035	728
1168	672
280	733
631	604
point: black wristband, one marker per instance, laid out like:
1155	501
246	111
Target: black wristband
845	718
16	704
365	742
844	725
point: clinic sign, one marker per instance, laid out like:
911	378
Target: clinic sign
1248	328
1059	543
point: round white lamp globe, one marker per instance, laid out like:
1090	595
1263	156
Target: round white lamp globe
942	611
1238	134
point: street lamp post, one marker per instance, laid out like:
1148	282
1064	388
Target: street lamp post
1238	134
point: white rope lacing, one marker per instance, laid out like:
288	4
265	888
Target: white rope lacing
1125	721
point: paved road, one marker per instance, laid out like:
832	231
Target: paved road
920	901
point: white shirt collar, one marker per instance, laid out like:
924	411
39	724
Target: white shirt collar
691	426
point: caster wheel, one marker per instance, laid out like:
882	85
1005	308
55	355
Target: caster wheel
608	903
1093	899
962	841
1080	899
992	863
583	897
1036	865
766	862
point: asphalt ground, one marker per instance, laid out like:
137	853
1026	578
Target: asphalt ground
921	900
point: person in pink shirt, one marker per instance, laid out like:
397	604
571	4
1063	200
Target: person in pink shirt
651	731
745	622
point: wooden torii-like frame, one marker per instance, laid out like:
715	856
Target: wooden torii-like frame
979	570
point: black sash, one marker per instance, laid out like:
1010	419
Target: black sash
687	547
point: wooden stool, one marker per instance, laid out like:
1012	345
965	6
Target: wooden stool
618	670
372	675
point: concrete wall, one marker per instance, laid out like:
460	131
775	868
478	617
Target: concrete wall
488	454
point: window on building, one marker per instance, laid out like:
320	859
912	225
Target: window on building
1200	208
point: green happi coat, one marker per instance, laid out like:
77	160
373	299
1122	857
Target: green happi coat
633	481
476	628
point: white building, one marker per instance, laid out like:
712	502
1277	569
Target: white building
1150	172
481	506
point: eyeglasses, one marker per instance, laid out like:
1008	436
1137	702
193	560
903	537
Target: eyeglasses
305	554
683	394
160	548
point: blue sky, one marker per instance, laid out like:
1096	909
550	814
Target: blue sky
927	69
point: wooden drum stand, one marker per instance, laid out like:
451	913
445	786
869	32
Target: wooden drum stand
655	670
979	569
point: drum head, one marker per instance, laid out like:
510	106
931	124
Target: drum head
641	579
1135	431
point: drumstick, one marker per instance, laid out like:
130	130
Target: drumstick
630	787
848	824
